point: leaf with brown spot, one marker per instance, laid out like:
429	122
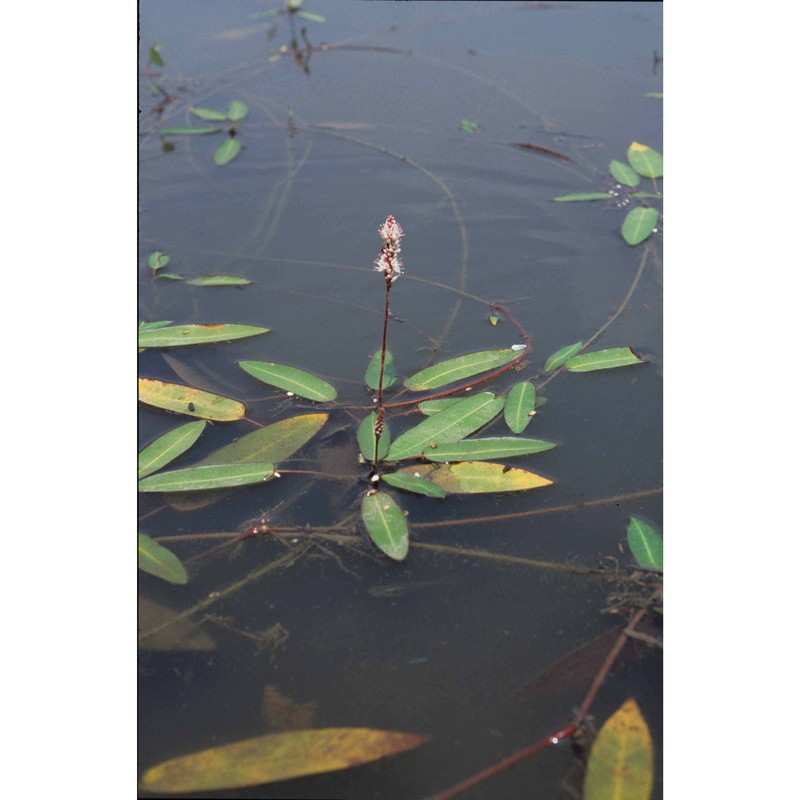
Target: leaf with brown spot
276	757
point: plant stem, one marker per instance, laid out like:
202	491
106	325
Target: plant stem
380	412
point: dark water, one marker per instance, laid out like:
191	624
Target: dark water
375	129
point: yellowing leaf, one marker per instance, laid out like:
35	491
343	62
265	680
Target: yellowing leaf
276	757
472	477
621	762
186	400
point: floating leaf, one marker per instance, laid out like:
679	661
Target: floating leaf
374	371
149	326
494	319
169	276
645	160
471	477
227	151
639	224
237	111
429	407
168	447
469	125
520	405
603	359
188	131
182	335
163	628
208	114
366	438
490	447
576	197
208	477
646	544
186	400
562	356
413	483
276	757
659	95
290	379
621	761
155	56
311	17
386	524
623	174
454	369
638	195
218	280
157	560
157	260
454	423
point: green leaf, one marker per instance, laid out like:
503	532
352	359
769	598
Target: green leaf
659	95
645	544
374	370
562	356
642	195
454	423
218	280
494	319
149	326
155	56
366	438
157	560
168	447
454	369
275	757
187	131
227	151
621	760
481	449
237	111
181	335
645	160
473	477
290	379
413	483
469	126
219	476
576	197
430	407
386	524
520	406
311	17
639	224
169	276
623	174
187	400
208	114
603	359
157	260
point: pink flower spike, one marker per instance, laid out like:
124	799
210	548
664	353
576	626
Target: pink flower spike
391	230
388	262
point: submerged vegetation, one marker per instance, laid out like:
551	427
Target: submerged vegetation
451	428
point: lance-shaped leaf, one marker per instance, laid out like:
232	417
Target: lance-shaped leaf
374	370
157	560
481	449
366	438
454	423
237	111
562	356
577	197
645	544
208	114
471	477
639	224
454	369
147	326
603	359
413	483
218	280
219	476
181	335
430	407
276	757
227	151
623	174
621	761
290	379
186	400
520	406
271	444
386	524
645	160
157	260
168	447
188	131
